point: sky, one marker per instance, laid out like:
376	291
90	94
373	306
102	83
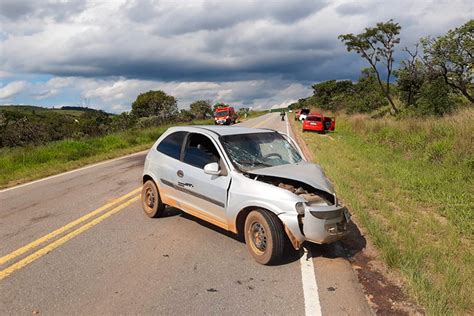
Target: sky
246	53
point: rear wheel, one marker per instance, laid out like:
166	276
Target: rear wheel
264	237
151	201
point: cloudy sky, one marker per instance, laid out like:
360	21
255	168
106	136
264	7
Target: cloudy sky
247	53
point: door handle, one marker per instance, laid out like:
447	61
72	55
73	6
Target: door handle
181	184
180	173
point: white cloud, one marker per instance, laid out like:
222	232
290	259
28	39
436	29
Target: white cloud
11	89
117	94
248	52
5	74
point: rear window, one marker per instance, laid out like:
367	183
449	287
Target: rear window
172	144
313	118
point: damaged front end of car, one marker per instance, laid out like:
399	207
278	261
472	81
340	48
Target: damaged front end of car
319	216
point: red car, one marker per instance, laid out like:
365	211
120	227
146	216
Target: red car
225	116
317	122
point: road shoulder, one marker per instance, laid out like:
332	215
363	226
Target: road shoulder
383	288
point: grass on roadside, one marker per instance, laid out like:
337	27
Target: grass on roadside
252	114
22	164
409	182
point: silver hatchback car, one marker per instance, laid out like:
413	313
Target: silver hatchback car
252	182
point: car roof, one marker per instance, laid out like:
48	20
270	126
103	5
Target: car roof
221	130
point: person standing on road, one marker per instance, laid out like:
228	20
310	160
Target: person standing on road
282	114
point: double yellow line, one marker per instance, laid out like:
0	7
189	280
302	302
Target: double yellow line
262	123
125	199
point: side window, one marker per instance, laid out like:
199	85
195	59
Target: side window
172	144
200	151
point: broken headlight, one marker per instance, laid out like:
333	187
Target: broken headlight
300	208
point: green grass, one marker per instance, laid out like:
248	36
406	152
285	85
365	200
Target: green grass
253	114
410	184
22	164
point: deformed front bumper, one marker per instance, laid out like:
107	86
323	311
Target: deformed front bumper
325	224
319	224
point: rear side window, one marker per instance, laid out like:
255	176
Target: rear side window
172	144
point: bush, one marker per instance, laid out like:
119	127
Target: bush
435	98
150	121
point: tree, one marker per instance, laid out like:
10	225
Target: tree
451	56
22	132
376	44
185	116
220	105
435	97
411	76
366	97
243	112
123	121
94	123
201	109
325	93
155	103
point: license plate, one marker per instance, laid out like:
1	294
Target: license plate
347	216
312	123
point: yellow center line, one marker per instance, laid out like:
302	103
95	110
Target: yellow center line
55	244
66	227
263	122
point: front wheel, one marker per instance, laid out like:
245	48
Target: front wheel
264	237
151	201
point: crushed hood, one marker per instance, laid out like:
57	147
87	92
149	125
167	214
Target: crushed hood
306	172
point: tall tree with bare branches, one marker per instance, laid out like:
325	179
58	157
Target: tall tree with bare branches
376	45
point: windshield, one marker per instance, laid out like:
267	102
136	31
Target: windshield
223	113
259	150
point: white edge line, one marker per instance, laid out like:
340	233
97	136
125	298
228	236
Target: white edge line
312	304
72	171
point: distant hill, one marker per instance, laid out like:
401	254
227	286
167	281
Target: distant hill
28	110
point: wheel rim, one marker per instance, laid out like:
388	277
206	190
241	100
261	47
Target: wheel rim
258	236
149	198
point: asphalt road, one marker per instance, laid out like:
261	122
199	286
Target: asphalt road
68	246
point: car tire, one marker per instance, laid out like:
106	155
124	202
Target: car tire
151	200
264	236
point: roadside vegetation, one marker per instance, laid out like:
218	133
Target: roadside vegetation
402	157
22	164
36	142
435	78
409	183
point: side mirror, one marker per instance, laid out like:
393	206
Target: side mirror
212	168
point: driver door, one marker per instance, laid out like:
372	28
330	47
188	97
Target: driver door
201	194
